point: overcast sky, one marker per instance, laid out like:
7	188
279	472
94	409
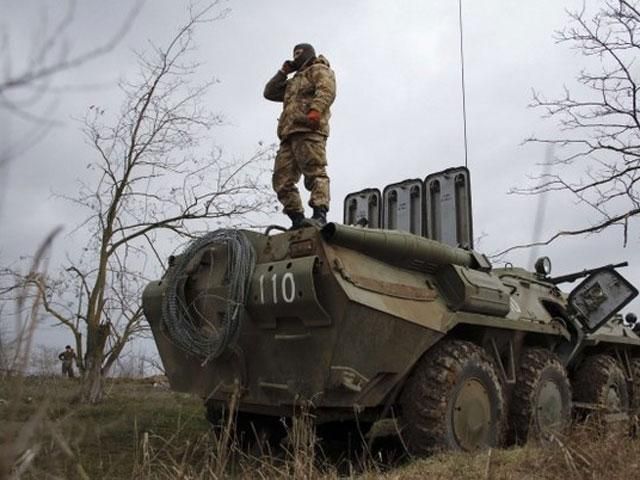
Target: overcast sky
397	114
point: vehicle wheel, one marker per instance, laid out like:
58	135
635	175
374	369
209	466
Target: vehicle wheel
213	415
600	381
453	400
255	433
541	399
259	434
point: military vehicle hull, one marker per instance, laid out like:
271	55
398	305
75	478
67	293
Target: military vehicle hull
329	337
372	323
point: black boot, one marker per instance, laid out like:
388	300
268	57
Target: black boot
319	216
297	220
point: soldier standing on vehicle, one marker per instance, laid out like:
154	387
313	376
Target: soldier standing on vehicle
303	128
68	357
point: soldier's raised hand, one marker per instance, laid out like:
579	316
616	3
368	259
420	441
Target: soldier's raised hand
288	67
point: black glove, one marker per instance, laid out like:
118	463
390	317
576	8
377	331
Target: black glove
288	67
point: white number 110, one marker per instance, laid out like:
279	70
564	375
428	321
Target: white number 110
287	287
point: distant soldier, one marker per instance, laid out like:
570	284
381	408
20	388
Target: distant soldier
68	357
303	129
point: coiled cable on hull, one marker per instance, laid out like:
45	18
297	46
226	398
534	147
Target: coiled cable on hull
185	331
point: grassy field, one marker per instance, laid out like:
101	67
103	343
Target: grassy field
144	432
103	440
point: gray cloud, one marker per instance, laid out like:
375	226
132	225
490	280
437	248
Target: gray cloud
397	114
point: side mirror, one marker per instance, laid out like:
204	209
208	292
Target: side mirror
599	297
543	266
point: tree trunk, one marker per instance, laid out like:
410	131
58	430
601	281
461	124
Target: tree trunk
80	350
93	382
93	386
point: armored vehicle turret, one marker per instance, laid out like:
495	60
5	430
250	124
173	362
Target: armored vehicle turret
393	314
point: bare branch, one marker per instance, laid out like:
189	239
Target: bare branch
598	160
620	220
150	178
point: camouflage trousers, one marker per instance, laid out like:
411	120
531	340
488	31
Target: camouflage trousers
67	369
301	154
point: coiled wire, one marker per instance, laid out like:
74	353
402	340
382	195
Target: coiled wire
185	331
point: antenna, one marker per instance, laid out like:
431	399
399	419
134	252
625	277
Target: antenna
541	208
464	99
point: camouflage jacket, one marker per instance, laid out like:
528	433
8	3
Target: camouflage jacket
313	87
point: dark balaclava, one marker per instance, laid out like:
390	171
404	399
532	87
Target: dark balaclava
307	54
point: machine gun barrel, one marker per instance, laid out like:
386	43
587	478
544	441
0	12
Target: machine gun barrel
572	277
396	246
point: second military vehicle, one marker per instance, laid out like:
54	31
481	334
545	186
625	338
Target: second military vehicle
393	314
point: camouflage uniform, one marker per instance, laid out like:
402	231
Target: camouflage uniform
302	144
67	357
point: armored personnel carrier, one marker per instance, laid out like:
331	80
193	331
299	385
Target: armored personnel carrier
394	315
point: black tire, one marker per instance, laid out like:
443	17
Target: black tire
213	415
252	432
259	434
541	399
453	400
600	382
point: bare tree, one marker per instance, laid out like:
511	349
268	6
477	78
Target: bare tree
23	291
149	178
27	304
133	364
29	78
62	298
8	341
7	344
30	87
599	121
44	362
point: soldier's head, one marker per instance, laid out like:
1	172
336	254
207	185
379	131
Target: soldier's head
68	347
302	53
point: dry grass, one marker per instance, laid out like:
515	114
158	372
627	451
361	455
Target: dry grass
145	433
103	441
586	453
